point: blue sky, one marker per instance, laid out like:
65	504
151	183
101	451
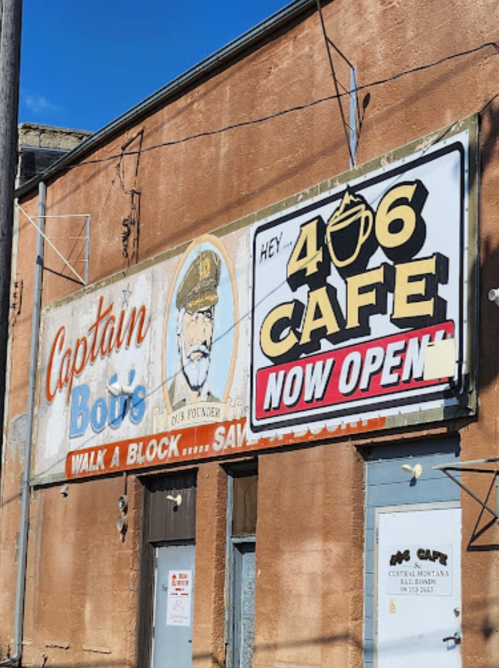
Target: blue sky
85	62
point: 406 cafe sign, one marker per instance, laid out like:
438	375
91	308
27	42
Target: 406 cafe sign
350	292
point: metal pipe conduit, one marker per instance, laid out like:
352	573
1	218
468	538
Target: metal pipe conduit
15	659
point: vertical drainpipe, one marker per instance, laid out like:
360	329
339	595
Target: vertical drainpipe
15	659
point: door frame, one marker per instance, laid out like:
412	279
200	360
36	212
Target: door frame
157	530
401	508
232	542
234	576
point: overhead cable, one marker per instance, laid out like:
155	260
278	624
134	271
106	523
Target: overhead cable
289	110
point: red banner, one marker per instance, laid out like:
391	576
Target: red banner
183	445
368	370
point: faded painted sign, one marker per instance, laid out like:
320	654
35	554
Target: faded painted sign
310	324
349	290
154	353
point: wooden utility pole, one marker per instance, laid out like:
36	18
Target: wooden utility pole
10	58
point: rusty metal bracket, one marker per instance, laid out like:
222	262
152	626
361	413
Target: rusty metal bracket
472	467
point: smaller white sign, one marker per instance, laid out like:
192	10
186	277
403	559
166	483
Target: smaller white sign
419	571
178	610
440	359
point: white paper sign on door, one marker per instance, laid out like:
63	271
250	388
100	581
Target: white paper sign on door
178	611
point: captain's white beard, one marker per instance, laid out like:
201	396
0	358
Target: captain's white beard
196	371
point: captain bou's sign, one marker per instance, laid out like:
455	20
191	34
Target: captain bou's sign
350	289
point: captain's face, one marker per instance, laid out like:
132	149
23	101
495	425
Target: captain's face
194	343
197	333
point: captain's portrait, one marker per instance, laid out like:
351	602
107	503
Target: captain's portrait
200	329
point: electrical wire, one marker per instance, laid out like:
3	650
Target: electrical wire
289	110
120	176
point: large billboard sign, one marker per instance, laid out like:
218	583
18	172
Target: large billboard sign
321	319
349	290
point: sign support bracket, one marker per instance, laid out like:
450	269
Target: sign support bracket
471	467
349	128
354	106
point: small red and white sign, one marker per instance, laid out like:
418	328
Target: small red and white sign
179	602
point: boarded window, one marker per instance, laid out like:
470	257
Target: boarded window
167	520
244	509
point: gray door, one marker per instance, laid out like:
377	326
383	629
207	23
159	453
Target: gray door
244	605
173	607
388	485
418	586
